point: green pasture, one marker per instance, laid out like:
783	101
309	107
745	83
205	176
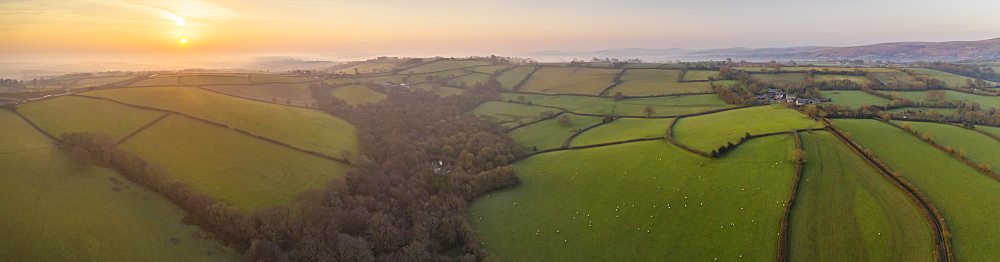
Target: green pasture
943	111
893	77
650	82
511	114
369	67
709	132
55	212
422	78
97	81
965	197
570	80
856	79
357	94
640	65
489	70
469	80
232	167
991	129
303	128
550	134
695	75
269	78
981	148
158	81
949	78
440	90
624	129
512	77
786	78
446	65
297	94
846	211
644	201
69	114
213	80
984	101
663	106
853	98
382	79
340	81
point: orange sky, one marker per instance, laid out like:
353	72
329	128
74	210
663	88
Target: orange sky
112	30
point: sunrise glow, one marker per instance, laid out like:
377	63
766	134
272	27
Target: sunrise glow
183	40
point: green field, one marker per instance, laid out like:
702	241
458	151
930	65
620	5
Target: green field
664	106
949	78
709	132
297	94
422	78
213	80
303	128
446	65
854	99
489	70
984	101
511	114
990	129
550	134
846	211
788	78
981	148
79	114
340	81
624	129
383	79
640	65
965	197
96	81
512	77
943	111
645	201
54	212
893	77
269	78
231	167
649	82
469	80
820	68
856	79
570	80
357	94
369	67
158	81
695	75
440	90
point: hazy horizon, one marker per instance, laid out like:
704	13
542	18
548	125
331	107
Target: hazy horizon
223	30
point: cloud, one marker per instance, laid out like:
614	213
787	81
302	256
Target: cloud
177	11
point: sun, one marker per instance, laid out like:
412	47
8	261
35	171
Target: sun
183	40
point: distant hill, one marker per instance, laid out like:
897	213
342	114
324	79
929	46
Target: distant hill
905	51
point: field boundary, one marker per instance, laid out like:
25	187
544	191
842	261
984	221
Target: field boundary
252	99
991	135
525	80
35	126
562	111
617	80
578	133
225	126
965	160
606	97
783	229
147	125
943	251
595	145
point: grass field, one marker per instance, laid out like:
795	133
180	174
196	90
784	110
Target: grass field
943	111
96	81
340	81
693	75
949	78
422	78
511	114
981	148
297	94
570	80
856	79
846	211
382	79
854	99
788	79
965	197
440	90
821	68
231	167
984	101
158	81
54	212
357	94
370	67
645	201
303	128
489	70
893	77
648	82
469	80
709	132
446	65
640	65
213	80
664	106
624	129
69	114
549	133
269	78
512	77
992	129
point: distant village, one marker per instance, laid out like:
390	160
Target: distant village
777	96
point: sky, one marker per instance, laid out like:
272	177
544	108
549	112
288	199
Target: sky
149	31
